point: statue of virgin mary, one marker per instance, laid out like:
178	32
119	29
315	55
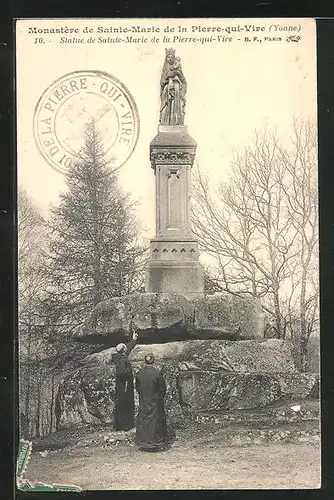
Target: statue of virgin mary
173	88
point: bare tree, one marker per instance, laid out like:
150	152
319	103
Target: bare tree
260	227
301	192
31	237
31	286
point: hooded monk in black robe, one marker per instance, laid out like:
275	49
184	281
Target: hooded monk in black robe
151	427
124	391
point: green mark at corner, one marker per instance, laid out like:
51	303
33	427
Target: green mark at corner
23	456
24	452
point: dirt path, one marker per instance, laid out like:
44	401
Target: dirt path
184	466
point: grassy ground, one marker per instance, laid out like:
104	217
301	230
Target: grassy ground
196	460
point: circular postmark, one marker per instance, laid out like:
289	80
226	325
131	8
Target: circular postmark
74	100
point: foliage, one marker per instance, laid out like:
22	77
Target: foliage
94	252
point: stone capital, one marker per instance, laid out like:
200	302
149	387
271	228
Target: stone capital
172	156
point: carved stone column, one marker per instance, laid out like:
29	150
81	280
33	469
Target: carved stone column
174	266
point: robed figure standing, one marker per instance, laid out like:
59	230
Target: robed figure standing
124	413
173	88
151	427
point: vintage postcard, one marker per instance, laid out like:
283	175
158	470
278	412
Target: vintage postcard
168	254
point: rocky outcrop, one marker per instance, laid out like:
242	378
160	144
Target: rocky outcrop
169	317
87	395
247	356
211	351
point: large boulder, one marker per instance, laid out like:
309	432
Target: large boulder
86	396
221	391
246	356
157	317
169	317
224	315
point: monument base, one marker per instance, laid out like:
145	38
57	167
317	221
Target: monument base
186	278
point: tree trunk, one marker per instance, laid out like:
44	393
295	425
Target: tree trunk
302	304
38	410
278	317
28	375
303	354
52	403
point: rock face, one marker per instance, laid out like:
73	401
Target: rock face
170	317
299	385
248	356
201	375
227	391
86	396
210	391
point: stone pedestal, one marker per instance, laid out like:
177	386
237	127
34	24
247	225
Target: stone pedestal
174	266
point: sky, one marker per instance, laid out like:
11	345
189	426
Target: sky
232	89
